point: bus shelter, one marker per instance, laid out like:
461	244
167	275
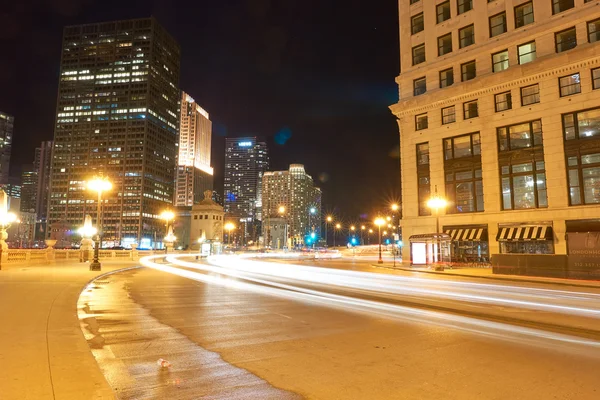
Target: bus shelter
424	249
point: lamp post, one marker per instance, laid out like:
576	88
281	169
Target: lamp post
362	230
369	236
281	212
229	227
168	215
436	202
99	185
312	211
352	230
379	222
337	227
327	222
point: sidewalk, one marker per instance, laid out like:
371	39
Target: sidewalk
486	273
43	353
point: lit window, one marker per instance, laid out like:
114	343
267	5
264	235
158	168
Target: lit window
500	61
569	85
526	52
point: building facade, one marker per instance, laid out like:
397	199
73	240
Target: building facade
29	182
43	161
499	113
291	195
194	173
117	117
246	160
7	123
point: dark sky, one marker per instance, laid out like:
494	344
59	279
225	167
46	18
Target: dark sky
322	70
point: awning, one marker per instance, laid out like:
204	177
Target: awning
429	236
467	234
526	232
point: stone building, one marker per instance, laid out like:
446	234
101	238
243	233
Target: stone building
206	220
499	109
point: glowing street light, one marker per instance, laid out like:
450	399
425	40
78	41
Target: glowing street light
229	227
169	238
337	228
379	222
436	202
99	185
281	210
395	207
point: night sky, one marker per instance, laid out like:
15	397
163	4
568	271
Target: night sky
314	77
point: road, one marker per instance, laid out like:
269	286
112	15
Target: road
240	328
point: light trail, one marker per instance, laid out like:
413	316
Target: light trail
239	278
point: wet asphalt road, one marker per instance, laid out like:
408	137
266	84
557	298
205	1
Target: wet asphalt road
421	339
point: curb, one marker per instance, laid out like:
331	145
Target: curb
493	277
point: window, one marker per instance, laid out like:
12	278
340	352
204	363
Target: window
446	77
596	78
565	40
464	189
470	109
462	146
464	6
419	86
418	54
503	101
523	183
416	23
520	136
421	122
443	11
468	71
414	1
523	14
423	181
584	179
569	85
530	95
500	61
462	168
448	115
562	5
593	28
444	44
526	52
497	24
582	124
466	36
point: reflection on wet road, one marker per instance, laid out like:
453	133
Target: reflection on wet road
240	327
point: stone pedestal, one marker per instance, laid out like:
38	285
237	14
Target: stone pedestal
134	252
4	245
86	250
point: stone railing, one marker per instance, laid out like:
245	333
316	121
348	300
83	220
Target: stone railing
40	256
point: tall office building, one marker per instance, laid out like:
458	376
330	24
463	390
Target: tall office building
29	181
499	113
246	160
43	160
294	190
116	117
6	134
194	173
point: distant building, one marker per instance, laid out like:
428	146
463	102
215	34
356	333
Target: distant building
116	116
194	173
246	160
43	161
217	198
293	190
29	181
12	188
6	138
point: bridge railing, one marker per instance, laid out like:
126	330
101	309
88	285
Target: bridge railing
13	256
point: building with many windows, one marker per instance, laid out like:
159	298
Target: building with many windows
117	117
292	196
7	123
194	173
499	113
246	160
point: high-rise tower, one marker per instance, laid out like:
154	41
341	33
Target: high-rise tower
117	117
6	135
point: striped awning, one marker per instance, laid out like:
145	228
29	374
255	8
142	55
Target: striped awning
467	234
527	232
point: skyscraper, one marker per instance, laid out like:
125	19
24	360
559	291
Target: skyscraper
29	181
117	117
6	135
246	160
499	115
194	173
294	190
43	160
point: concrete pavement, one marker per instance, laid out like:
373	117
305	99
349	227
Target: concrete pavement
43	353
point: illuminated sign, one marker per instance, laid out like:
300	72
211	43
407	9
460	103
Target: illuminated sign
245	144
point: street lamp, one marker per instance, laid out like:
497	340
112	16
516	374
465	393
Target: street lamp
337	228
379	222
370	231
169	238
436	202
100	185
362	230
328	221
229	227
